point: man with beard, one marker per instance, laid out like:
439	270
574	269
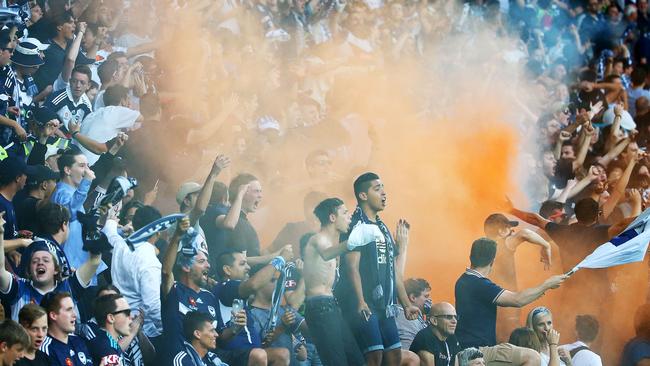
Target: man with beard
371	277
239	344
185	295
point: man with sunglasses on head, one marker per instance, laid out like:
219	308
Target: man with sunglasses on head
436	344
113	315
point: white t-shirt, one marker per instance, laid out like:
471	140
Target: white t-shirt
546	359
585	357
104	124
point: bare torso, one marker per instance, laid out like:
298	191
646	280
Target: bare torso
318	274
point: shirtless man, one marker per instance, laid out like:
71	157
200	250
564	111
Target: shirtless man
333	339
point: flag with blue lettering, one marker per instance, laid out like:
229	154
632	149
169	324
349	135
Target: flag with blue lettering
629	246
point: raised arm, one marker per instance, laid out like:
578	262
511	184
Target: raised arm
230	220
170	257
588	132
529	217
202	201
325	249
527	235
263	276
612	138
73	52
5	276
614	152
86	272
525	297
619	188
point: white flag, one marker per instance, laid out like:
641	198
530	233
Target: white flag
629	246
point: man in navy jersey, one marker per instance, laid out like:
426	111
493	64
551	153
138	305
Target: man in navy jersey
44	276
187	294
61	346
371	278
72	104
200	338
233	269
113	316
52	220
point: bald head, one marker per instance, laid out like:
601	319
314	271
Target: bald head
442	308
443	319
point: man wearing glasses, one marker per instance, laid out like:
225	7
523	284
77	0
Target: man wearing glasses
436	344
113	315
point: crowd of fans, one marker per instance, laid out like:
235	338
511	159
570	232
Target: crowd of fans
104	122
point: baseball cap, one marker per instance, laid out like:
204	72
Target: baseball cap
13	167
43	115
185	189
498	221
41	173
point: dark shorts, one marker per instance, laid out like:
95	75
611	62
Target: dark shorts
377	334
236	357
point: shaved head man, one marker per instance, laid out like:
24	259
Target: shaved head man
436	344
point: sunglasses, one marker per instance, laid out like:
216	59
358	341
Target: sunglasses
10	50
126	312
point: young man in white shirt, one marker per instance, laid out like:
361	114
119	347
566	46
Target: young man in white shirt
137	273
586	330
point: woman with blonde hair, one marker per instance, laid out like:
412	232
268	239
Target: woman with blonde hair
540	320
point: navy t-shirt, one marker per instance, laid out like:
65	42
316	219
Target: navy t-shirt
215	237
226	292
444	352
476	305
635	350
74	353
181	300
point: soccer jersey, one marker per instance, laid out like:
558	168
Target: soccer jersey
63	104
225	293
181	300
74	353
189	357
22	292
105	349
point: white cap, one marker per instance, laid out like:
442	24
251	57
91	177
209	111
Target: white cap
37	43
627	122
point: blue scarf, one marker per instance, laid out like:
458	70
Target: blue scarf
147	231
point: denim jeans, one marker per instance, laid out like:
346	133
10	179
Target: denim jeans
335	344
